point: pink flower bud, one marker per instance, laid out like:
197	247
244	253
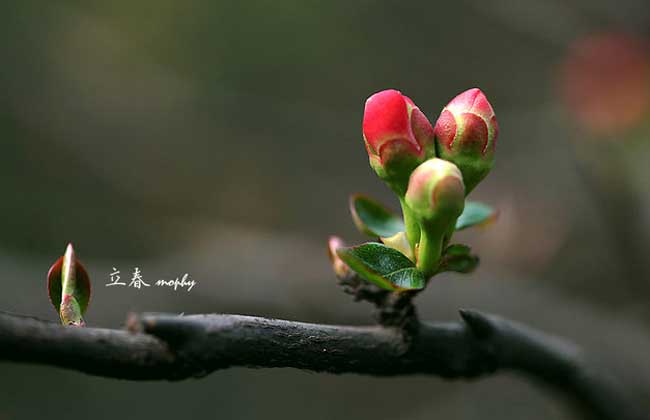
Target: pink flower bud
436	192
341	269
397	135
466	133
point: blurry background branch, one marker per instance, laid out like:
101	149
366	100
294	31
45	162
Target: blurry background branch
172	347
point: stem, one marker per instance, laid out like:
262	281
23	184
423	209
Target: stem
448	235
429	252
411	224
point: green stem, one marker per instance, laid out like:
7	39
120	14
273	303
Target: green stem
448	235
429	252
411	224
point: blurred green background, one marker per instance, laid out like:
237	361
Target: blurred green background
222	139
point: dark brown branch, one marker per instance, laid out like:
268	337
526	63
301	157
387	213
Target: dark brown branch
97	351
176	347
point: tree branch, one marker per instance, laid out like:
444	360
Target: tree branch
160	346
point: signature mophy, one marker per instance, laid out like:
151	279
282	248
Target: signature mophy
181	282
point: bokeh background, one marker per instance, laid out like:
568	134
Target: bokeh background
222	139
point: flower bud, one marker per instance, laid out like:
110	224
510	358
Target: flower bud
466	134
341	269
436	197
398	137
436	193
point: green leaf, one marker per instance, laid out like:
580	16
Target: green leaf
386	267
474	214
374	219
457	258
456	250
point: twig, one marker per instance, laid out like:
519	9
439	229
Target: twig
173	347
391	309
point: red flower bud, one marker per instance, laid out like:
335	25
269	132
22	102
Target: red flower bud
466	134
397	135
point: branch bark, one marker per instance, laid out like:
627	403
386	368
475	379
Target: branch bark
161	346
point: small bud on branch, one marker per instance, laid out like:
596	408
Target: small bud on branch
69	288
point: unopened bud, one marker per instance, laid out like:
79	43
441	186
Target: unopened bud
436	197
69	288
466	133
436	192
341	269
398	137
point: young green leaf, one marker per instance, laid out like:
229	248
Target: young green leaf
374	219
384	266
400	243
457	258
475	213
457	250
